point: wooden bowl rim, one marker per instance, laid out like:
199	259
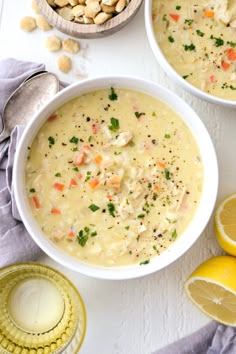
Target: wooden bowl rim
67	26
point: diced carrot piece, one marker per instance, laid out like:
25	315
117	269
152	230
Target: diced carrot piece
79	158
98	159
80	176
174	17
109	196
85	148
212	78
93	182
95	128
71	233
55	211
73	182
52	117
225	65
157	188
36	202
231	54
161	164
208	13
59	186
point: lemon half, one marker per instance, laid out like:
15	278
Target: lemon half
212	288
225	224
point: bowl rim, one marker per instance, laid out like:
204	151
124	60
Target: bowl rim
89	30
170	71
210	185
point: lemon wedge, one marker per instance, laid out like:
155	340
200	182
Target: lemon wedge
212	288
225	224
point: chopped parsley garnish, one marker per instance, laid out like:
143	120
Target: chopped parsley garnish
51	141
164	17
188	21
218	41
132	143
76	169
58	174
171	221
84	234
171	39
127	227
186	76
139	114
115	124
189	47
111	209
167	173
154	114
174	234
178	7
232	44
113	96
75	149
154	247
199	33
88	176
93	207
89	139
141	216
167	136
145	262
32	190
74	140
83	237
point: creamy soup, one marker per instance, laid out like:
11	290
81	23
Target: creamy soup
198	38
114	177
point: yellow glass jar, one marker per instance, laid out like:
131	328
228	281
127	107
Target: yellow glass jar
41	311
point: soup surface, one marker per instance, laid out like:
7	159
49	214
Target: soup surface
114	177
198	38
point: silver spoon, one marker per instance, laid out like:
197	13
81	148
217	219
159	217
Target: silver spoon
26	100
35	74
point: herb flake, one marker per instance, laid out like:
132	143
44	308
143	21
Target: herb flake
115	124
145	262
93	207
111	209
74	140
113	96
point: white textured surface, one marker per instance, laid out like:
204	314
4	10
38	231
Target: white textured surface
136	316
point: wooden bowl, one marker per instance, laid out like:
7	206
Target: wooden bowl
89	30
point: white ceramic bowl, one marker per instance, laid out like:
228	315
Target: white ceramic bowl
210	186
170	71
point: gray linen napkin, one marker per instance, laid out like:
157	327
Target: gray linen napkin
211	339
16	245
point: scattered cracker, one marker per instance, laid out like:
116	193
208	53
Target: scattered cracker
28	24
70	45
43	23
35	7
64	63
53	43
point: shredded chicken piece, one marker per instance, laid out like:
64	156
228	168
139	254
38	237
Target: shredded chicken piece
125	209
141	229
114	182
225	11
123	139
